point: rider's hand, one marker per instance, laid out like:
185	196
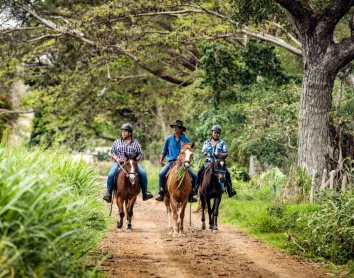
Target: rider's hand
162	163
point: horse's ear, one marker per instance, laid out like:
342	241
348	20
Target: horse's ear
216	155
192	146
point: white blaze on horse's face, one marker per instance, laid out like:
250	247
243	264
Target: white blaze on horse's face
187	160
132	172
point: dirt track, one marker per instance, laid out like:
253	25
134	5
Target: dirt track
149	251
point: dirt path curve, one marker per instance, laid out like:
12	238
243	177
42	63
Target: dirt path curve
149	251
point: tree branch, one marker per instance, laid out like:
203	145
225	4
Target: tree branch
110	49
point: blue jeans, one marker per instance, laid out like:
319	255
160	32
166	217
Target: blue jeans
164	170
143	180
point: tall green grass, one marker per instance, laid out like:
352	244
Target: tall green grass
50	218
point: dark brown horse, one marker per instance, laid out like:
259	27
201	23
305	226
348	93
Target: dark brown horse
211	188
127	189
179	186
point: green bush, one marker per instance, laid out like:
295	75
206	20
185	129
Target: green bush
275	179
49	215
239	173
329	232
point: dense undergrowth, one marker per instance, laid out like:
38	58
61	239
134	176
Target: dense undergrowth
49	215
322	230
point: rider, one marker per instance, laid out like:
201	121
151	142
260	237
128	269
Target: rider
127	144
217	146
171	151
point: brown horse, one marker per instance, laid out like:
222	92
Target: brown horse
127	189
179	186
212	188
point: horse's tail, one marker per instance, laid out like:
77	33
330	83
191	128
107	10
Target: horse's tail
199	209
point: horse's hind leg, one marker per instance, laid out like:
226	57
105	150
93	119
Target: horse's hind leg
181	217
203	212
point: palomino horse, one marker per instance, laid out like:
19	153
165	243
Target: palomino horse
211	188
179	186
127	189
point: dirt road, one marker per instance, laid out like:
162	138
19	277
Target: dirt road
149	251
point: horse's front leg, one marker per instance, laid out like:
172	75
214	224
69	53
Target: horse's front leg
130	213
210	212
169	214
120	204
217	202
175	217
181	217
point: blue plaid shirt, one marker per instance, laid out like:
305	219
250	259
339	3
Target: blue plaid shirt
172	148
220	147
119	147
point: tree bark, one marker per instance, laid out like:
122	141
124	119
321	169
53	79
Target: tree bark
316	99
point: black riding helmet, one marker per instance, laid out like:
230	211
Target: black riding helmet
127	127
216	128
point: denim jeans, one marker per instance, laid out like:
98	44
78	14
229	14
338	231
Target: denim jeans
143	181
164	170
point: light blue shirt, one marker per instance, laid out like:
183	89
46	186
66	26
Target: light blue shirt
220	147
172	148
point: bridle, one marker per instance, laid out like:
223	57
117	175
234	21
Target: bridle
128	174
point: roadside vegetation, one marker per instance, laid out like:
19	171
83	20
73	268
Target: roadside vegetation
50	218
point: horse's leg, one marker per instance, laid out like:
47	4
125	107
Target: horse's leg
217	202
120	204
210	212
169	214
202	199
175	216
181	216
130	213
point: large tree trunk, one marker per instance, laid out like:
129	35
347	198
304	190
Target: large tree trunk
314	139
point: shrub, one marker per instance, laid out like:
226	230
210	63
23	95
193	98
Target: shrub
329	232
49	216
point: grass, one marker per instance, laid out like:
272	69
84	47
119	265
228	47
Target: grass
50	218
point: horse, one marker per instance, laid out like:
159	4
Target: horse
179	186
211	188
128	188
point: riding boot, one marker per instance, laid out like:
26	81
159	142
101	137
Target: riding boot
107	197
192	198
230	191
161	195
147	195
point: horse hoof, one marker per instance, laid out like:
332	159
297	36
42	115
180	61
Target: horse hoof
119	226
181	234
175	235
215	231
170	232
129	230
211	230
203	226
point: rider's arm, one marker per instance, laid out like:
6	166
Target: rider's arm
116	158
162	157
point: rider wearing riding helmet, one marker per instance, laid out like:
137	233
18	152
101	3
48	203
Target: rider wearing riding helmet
217	146
126	144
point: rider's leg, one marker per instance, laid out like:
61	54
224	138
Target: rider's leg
144	182
194	184
162	177
200	173
110	179
230	191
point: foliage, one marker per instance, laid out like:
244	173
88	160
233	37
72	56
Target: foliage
275	179
50	218
329	232
239	173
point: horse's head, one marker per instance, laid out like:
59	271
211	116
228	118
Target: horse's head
186	155
220	166
131	166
